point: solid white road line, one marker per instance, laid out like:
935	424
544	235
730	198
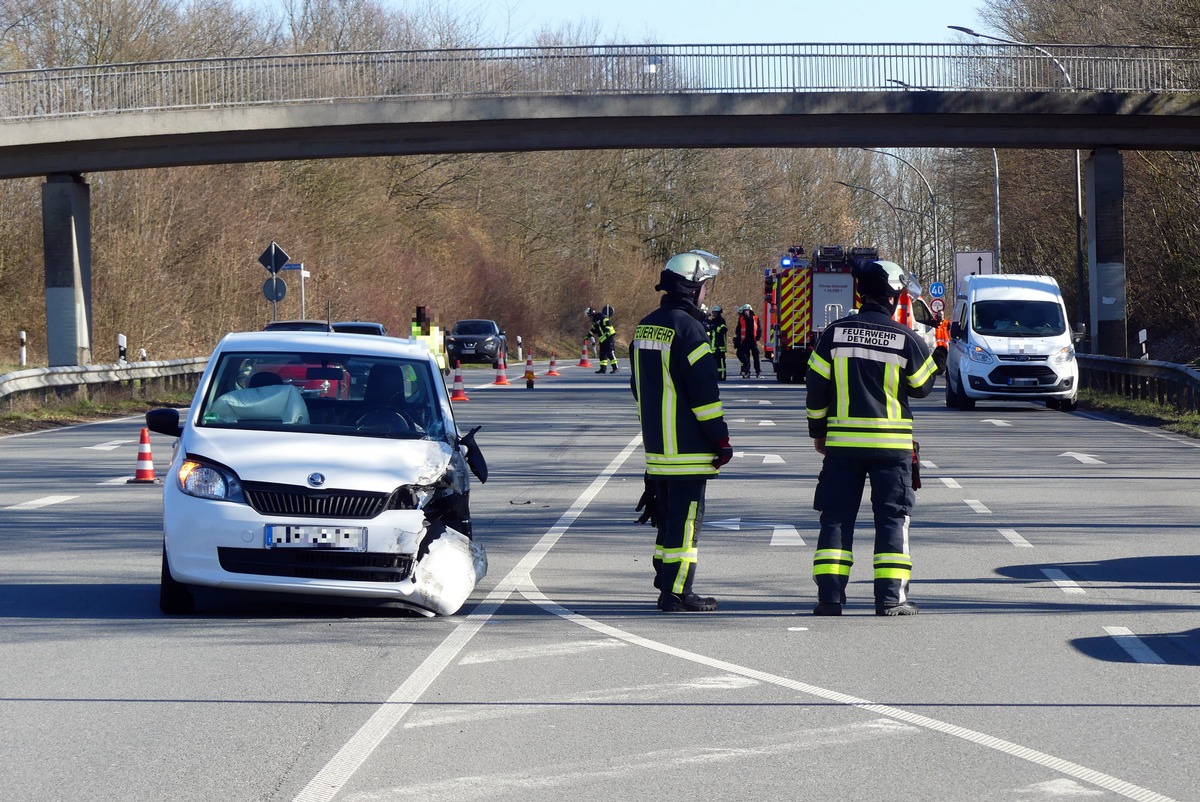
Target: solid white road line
950	483
341	767
1015	538
1062	580
1099	779
110	445
977	505
45	501
1134	646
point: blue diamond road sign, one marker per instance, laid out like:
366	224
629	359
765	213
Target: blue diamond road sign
273	258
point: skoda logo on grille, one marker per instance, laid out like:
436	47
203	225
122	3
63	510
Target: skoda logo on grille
316	479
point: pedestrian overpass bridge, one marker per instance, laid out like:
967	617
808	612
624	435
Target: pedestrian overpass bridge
64	123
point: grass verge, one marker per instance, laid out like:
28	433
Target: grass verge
1143	413
26	415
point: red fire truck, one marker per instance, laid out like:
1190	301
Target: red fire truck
803	295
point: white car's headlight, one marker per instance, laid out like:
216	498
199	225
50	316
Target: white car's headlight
980	355
1067	354
203	480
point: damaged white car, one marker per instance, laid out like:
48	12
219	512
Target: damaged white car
322	465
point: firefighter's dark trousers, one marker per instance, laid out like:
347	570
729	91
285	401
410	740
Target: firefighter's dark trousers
681	512
720	365
608	353
838	496
747	350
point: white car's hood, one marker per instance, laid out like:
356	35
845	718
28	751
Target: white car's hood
1033	346
356	463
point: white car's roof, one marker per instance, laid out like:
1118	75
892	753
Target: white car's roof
324	342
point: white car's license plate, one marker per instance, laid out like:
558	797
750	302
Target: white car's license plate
292	536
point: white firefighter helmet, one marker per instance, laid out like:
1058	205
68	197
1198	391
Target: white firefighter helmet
716	309
698	266
745	308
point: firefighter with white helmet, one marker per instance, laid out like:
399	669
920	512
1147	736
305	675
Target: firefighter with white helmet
747	334
861	374
686	440
605	334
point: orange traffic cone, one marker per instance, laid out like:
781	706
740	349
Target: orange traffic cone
529	372
145	463
459	393
583	360
553	367
501	367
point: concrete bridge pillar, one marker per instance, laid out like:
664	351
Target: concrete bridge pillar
1106	251
67	242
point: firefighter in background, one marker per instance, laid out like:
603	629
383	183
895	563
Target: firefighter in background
674	381
718	332
861	374
605	335
746	336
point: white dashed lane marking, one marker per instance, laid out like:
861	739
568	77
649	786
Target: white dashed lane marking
1133	645
950	483
1062	580
978	506
1015	538
45	501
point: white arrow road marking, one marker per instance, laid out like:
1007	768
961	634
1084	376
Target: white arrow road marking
996	422
950	483
1133	645
733	523
45	501
977	505
1015	538
110	445
786	536
1064	583
765	404
768	459
1086	459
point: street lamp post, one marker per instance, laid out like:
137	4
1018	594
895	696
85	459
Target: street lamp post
937	259
1078	167
996	193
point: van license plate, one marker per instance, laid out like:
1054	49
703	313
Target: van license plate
1024	382
289	536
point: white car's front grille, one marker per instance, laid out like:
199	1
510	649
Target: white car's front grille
303	502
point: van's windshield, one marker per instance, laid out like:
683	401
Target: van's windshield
1013	318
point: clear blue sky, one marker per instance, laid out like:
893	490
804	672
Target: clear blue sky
731	21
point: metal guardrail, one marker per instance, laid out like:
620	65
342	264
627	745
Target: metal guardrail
1164	383
54	380
614	69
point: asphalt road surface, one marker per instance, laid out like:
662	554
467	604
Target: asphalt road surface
1056	655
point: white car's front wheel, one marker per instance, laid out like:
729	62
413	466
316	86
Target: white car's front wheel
174	598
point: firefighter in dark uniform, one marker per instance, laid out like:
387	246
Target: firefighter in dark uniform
674	381
605	335
860	376
718	333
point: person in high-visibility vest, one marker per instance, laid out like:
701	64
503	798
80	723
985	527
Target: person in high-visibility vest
424	330
747	334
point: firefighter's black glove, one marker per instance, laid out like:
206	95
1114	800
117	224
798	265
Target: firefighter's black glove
724	453
648	503
916	465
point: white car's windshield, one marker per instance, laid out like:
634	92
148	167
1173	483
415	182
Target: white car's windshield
1018	318
324	394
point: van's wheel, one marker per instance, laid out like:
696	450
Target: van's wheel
173	597
964	403
951	396
1052	403
1069	404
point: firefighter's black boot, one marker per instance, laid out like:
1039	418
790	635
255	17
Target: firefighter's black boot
614	370
908	608
686	603
603	369
827	608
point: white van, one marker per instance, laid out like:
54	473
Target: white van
1009	339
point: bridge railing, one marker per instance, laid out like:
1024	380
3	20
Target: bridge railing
616	69
1163	383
